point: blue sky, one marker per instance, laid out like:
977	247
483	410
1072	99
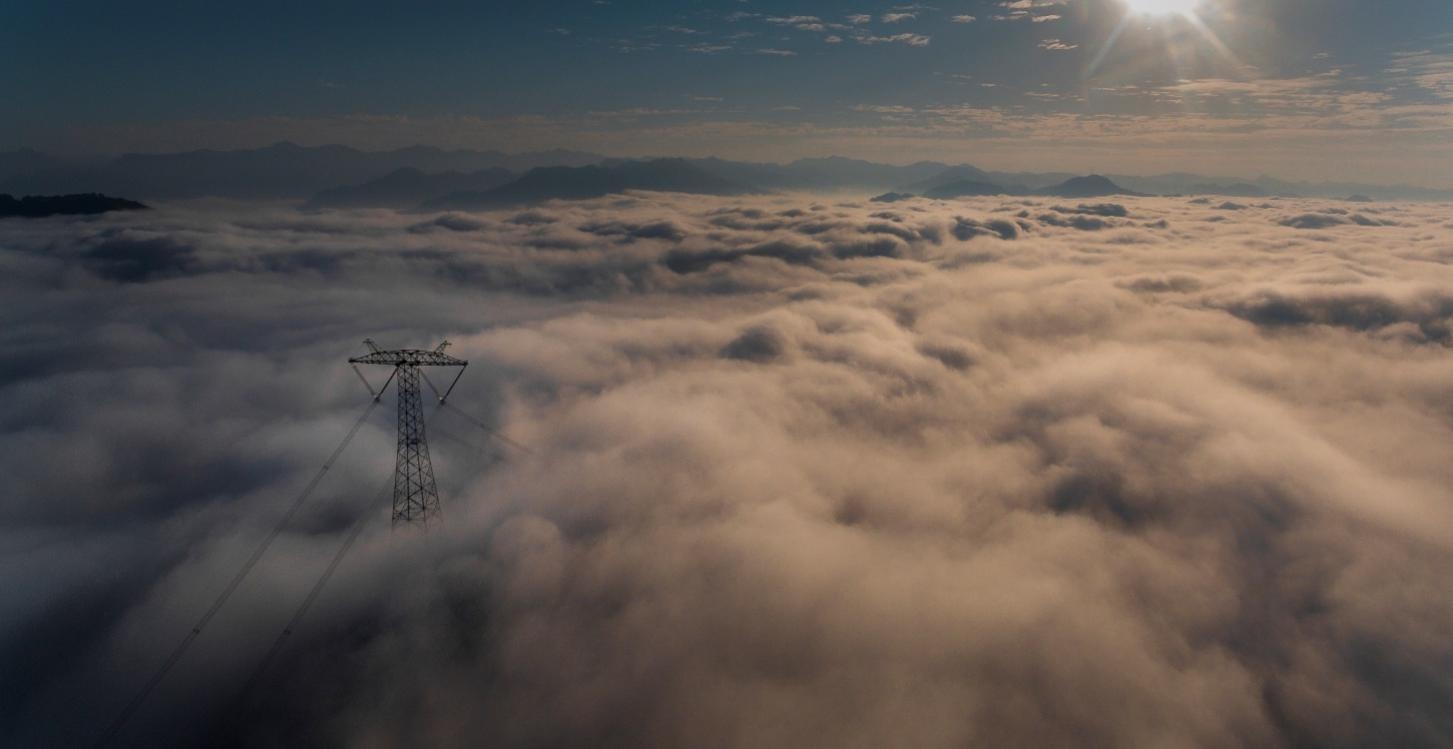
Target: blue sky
1309	88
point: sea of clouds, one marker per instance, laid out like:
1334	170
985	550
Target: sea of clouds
779	471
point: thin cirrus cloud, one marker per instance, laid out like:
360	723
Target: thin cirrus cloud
1388	92
910	39
919	474
1057	45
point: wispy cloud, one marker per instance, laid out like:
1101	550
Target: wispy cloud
1057	45
910	39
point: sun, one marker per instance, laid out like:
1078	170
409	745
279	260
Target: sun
1169	13
1163	7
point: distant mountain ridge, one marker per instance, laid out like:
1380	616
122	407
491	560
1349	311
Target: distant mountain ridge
950	176
1090	186
965	188
282	170
340	176
593	181
410	186
834	172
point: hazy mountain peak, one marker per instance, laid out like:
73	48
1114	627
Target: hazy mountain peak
593	181
1088	186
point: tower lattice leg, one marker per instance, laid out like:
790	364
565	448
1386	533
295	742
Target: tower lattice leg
416	496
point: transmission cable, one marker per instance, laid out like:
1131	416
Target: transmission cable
444	403
491	432
359	524
186	643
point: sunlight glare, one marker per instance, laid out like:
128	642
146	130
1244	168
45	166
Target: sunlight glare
1162	7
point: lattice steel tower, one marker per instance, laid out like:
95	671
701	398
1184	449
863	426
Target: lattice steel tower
416	496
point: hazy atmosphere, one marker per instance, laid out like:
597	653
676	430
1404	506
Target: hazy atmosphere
1036	373
1306	89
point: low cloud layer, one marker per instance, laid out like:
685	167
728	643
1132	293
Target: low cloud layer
800	472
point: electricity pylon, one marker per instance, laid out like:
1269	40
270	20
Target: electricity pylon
416	496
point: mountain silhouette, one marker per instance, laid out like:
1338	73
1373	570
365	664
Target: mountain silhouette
1231	189
578	183
836	171
282	170
84	204
1092	186
289	171
965	188
949	176
831	173
409	187
771	176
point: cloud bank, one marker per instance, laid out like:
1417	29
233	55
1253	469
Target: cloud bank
801	472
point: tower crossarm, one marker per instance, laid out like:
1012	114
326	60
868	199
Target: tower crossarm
410	358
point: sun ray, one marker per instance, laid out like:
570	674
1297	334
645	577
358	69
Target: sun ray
1109	45
1172	9
1213	40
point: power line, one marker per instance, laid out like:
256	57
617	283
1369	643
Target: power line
443	401
491	454
186	642
413	489
359	524
488	430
